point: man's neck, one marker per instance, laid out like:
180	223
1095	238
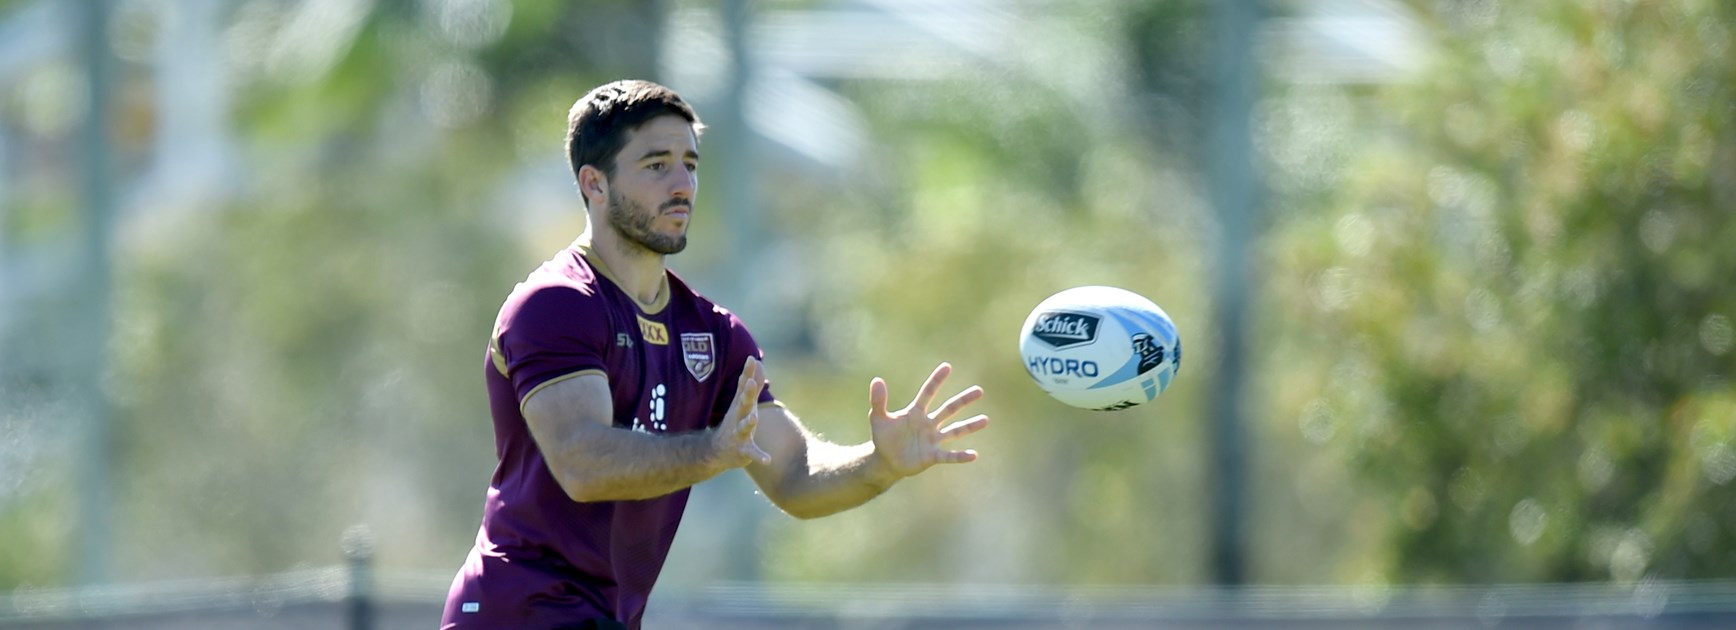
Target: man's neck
637	270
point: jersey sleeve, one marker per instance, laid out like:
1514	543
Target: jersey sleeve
549	334
740	346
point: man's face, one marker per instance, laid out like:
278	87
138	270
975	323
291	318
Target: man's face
656	177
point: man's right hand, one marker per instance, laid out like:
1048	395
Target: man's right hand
733	438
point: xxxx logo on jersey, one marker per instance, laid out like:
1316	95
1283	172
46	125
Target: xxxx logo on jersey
652	332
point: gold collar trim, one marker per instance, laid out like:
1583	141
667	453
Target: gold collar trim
655	306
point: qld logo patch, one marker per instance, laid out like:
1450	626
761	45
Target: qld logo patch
700	354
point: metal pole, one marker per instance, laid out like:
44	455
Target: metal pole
740	196
97	447
1235	195
358	545
648	29
736	169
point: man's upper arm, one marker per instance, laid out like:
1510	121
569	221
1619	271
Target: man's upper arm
784	438
549	334
561	407
550	344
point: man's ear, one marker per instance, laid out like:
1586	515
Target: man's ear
592	181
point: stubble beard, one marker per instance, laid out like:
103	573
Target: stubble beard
633	222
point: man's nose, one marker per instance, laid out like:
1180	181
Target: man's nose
686	184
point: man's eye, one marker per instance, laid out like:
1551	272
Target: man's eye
656	166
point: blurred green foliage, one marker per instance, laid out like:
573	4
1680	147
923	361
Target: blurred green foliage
1494	341
1507	315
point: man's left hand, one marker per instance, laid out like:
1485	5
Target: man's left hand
910	440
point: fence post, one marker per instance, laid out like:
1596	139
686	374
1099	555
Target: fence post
359	552
1235	195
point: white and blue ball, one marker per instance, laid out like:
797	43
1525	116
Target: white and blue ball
1100	348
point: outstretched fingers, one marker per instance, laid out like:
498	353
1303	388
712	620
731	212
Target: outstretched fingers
877	398
957	430
911	437
931	387
747	389
744	428
964	427
956	404
740	425
744	438
956	457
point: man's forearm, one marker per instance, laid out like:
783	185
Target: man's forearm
831	478
613	464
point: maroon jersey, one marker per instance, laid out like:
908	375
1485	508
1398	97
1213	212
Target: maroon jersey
542	559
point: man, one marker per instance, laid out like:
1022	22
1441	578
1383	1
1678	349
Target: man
615	388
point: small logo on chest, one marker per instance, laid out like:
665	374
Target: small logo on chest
652	332
655	421
700	354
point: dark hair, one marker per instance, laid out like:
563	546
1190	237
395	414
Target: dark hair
598	123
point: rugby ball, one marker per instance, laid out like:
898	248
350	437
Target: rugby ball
1100	348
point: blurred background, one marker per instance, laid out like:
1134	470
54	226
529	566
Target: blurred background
1454	278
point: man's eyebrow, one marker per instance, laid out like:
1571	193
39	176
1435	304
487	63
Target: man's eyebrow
661	153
